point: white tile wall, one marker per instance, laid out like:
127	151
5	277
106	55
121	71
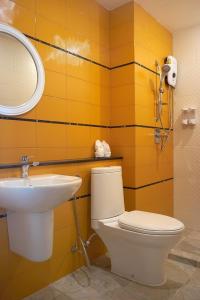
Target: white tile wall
187	140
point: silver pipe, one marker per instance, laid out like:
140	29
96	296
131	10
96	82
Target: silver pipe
163	73
78	231
170	114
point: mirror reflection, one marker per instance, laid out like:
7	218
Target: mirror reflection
18	72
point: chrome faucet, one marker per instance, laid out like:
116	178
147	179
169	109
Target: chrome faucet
25	166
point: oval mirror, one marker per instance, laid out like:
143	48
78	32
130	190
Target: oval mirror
21	72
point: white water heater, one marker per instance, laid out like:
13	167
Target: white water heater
172	74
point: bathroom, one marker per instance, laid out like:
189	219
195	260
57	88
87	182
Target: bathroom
103	72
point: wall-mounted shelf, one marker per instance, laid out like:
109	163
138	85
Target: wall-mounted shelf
59	162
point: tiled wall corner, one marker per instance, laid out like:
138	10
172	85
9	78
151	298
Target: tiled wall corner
186	138
133	107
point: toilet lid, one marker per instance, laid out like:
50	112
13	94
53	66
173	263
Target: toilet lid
149	223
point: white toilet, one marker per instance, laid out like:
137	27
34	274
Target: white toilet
138	242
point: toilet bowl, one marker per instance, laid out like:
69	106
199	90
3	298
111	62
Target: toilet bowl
138	242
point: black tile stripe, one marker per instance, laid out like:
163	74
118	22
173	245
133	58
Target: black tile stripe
88	59
137	125
87	125
147	185
80	197
51	122
67	51
146	68
59	162
136	63
76	123
123	65
3	216
83	196
17	119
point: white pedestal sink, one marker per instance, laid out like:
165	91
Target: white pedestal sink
29	203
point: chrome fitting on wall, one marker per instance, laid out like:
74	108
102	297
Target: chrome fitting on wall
157	136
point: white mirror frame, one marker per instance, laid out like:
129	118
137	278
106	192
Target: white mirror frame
30	103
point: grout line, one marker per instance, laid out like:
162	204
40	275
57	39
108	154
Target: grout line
147	185
184	260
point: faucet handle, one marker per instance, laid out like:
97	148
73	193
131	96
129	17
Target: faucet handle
25	158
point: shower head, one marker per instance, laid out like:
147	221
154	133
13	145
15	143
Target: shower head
165	69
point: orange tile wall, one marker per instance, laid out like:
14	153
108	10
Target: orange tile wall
76	91
147	171
79	91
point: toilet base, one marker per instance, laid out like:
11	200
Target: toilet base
138	257
142	266
134	279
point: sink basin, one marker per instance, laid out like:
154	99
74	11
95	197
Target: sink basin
29	203
37	193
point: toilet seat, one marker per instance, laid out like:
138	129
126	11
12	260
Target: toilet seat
149	223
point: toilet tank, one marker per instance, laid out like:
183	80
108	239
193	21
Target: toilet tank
107	198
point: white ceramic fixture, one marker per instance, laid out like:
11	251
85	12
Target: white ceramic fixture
138	242
29	203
